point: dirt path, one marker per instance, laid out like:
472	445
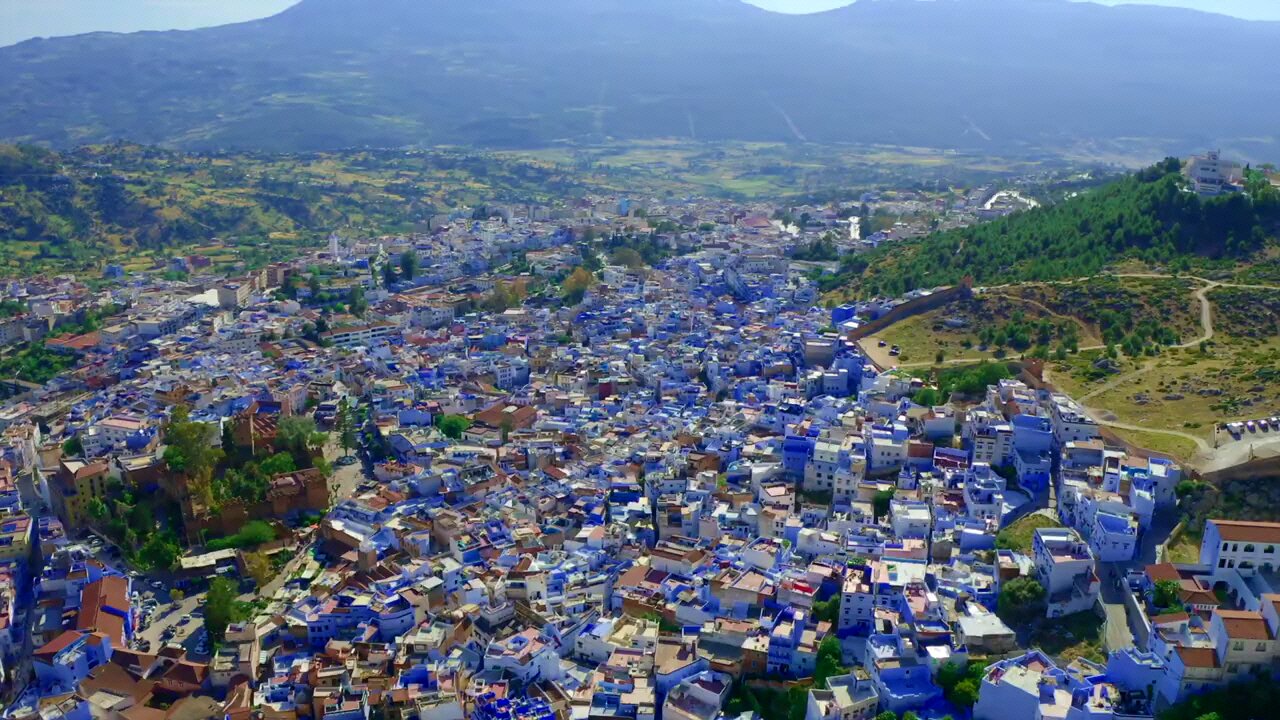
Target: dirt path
1200	442
1206	328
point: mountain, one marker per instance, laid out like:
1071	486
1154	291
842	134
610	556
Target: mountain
977	74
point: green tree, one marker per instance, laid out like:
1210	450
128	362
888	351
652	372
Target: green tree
827	610
258	566
628	257
298	436
281	462
965	694
1167	594
346	429
141	519
188	451
318	462
160	552
356	300
887	715
1020	599
73	447
453	425
830	662
575	287
880	502
97	508
959	680
187	444
219	608
950	674
409	264
927	397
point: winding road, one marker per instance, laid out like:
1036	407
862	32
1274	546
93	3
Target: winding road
1201	296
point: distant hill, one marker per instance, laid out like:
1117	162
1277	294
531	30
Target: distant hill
986	74
1146	216
69	210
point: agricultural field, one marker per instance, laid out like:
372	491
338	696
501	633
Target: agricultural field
763	170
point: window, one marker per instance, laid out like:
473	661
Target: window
1262	647
1237	645
1249	547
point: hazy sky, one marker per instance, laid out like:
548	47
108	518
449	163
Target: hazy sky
22	19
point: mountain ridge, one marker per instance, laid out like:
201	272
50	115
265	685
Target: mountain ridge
325	74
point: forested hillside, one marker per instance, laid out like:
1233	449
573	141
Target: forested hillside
75	209
1147	216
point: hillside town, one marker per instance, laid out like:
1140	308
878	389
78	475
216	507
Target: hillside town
618	460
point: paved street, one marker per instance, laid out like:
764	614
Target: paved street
1118	635
1114	584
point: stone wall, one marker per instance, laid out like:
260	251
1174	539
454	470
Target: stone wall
914	307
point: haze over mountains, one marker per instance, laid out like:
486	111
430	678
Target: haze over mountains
980	74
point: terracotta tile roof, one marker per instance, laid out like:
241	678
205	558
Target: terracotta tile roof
1274	599
1198	657
1163	571
1248	531
58	644
97	601
1244	625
